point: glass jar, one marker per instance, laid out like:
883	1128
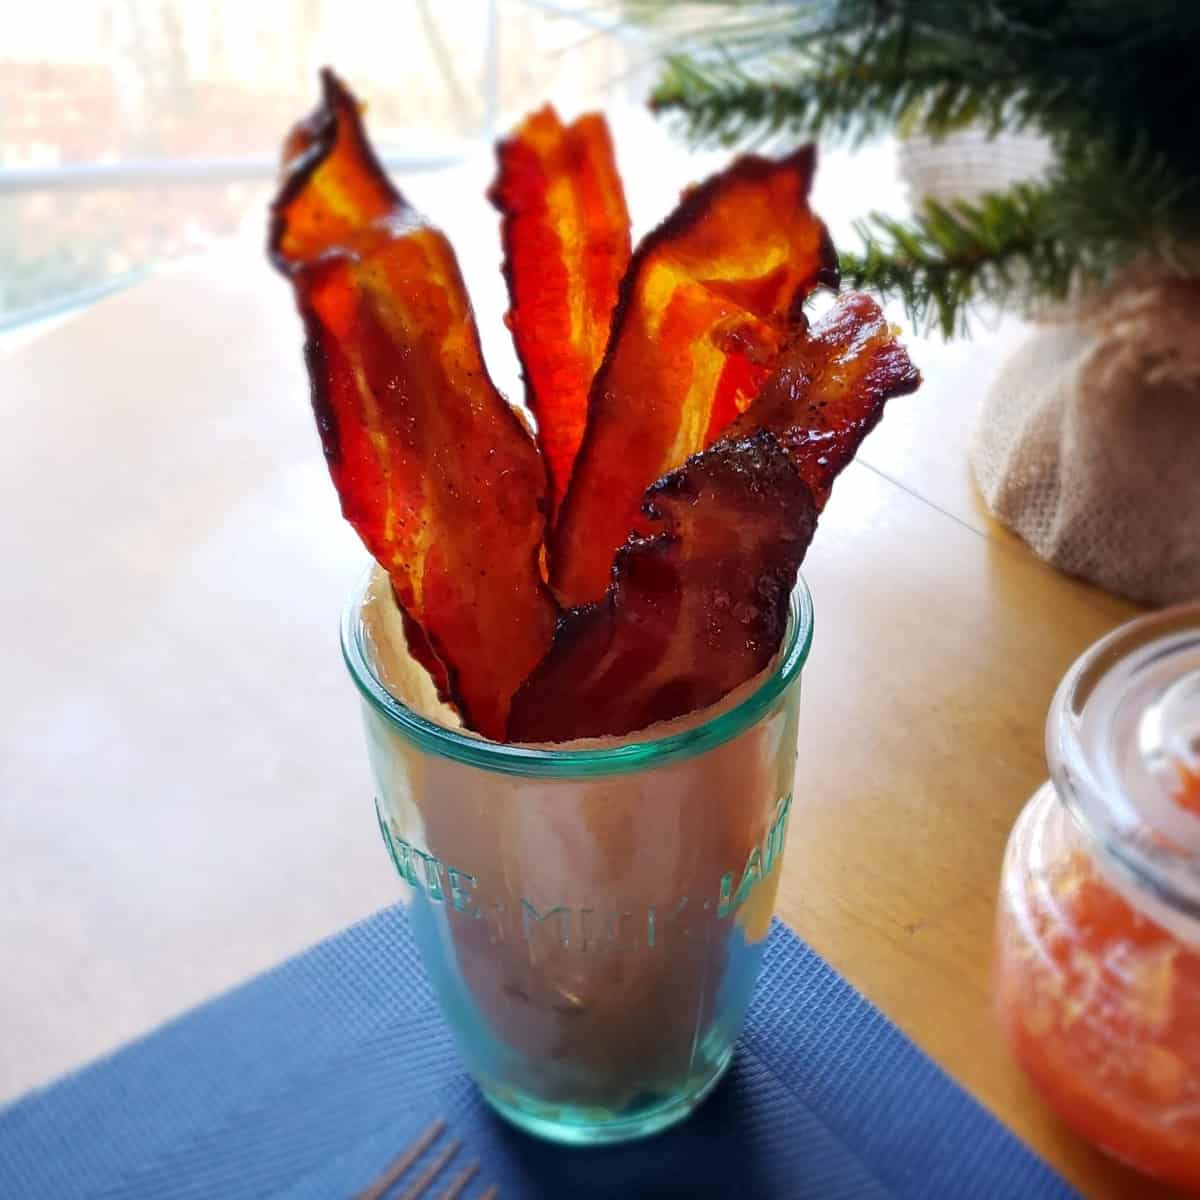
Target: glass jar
591	916
1097	968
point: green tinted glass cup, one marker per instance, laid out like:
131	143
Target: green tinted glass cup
591	917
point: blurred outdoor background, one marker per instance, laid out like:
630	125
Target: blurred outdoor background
136	131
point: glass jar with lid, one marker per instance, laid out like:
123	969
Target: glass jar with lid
1097	968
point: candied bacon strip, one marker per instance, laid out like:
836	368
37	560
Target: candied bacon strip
830	389
335	192
422	652
721	281
565	231
435	471
660	642
692	611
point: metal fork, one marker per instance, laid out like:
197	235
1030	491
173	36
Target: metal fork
419	1187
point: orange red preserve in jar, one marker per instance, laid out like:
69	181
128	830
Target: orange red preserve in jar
1100	1003
1097	967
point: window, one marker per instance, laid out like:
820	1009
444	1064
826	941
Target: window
135	131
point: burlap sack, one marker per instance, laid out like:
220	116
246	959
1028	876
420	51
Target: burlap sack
1088	444
967	164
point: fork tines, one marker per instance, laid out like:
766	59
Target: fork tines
419	1188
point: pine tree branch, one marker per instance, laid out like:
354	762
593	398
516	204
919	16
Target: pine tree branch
1109	83
1108	70
947	259
1030	243
848	99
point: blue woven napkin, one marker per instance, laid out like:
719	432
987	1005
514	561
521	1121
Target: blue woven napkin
308	1080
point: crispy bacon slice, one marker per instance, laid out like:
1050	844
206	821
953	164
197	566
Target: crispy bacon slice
830	389
422	651
565	231
692	611
335	193
710	299
435	471
665	639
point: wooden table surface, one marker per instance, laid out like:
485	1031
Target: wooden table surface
183	790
